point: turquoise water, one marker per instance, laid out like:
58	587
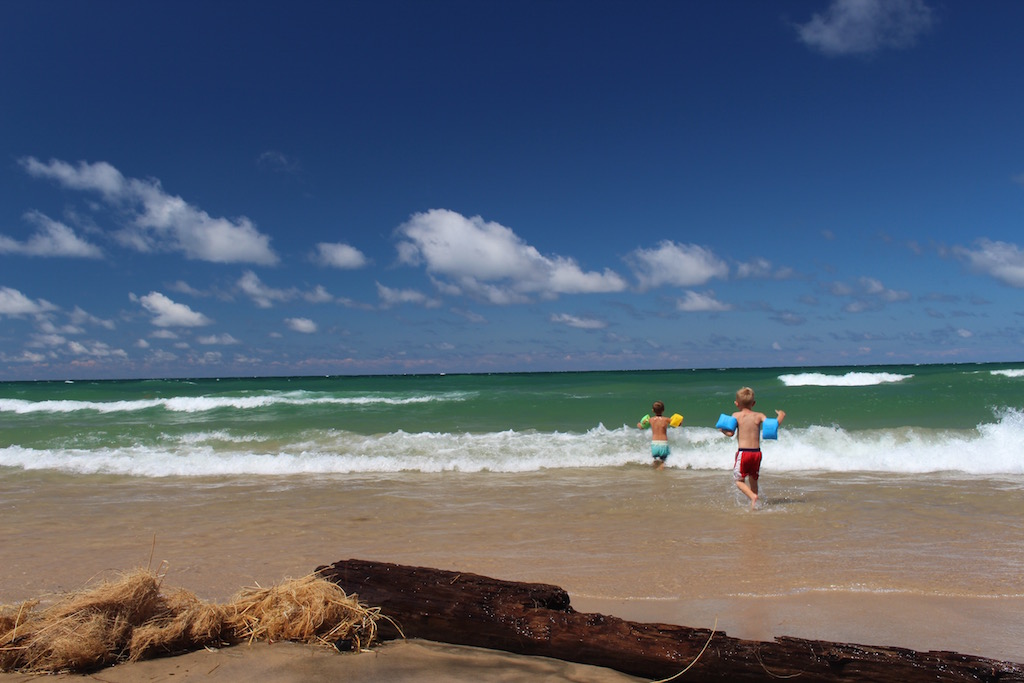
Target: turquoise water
955	418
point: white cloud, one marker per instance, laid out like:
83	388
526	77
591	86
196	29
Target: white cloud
262	295
864	26
51	238
391	297
1001	260
318	295
489	261
80	317
695	302
167	313
762	268
278	161
303	325
47	340
580	323
222	339
158	221
183	287
337	255
875	288
265	297
95	349
24	357
680	265
13	302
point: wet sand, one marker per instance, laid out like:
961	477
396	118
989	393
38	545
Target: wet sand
929	564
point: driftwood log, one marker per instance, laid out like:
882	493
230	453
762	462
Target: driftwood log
536	619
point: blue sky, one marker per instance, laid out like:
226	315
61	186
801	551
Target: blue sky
255	188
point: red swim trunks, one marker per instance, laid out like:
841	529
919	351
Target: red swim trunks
748	464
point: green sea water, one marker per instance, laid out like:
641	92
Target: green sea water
499	421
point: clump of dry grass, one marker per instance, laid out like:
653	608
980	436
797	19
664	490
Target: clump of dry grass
129	619
308	610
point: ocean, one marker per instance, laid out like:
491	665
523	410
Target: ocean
892	502
957	419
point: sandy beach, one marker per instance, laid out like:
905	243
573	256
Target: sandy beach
397	662
848	559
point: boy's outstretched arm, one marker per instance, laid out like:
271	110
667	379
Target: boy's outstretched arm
781	415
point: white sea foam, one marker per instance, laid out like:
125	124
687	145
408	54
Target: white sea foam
199	404
850	379
988	449
1010	373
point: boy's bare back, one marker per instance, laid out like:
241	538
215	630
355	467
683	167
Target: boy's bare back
748	428
659	428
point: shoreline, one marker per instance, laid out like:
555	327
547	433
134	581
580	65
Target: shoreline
878	561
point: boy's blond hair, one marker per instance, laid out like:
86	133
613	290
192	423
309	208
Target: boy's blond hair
745	397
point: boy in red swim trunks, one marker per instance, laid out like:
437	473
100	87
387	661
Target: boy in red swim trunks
747	466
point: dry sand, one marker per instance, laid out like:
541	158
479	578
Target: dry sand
397	662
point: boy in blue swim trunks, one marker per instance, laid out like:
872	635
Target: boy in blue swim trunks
659	435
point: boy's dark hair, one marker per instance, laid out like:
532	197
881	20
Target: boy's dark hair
658	407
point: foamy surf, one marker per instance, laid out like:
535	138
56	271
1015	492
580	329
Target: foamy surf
849	379
988	449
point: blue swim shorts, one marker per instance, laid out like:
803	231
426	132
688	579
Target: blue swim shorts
659	449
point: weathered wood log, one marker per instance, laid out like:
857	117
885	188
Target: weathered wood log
537	619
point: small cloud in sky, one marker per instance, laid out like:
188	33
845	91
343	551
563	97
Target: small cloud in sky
163	334
41	341
875	288
167	313
318	295
577	322
964	333
222	339
157	221
694	302
860	27
393	297
762	268
673	264
868	294
274	160
338	255
265	296
487	260
788	318
95	349
183	287
469	315
303	325
1001	260
51	238
14	303
80	317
